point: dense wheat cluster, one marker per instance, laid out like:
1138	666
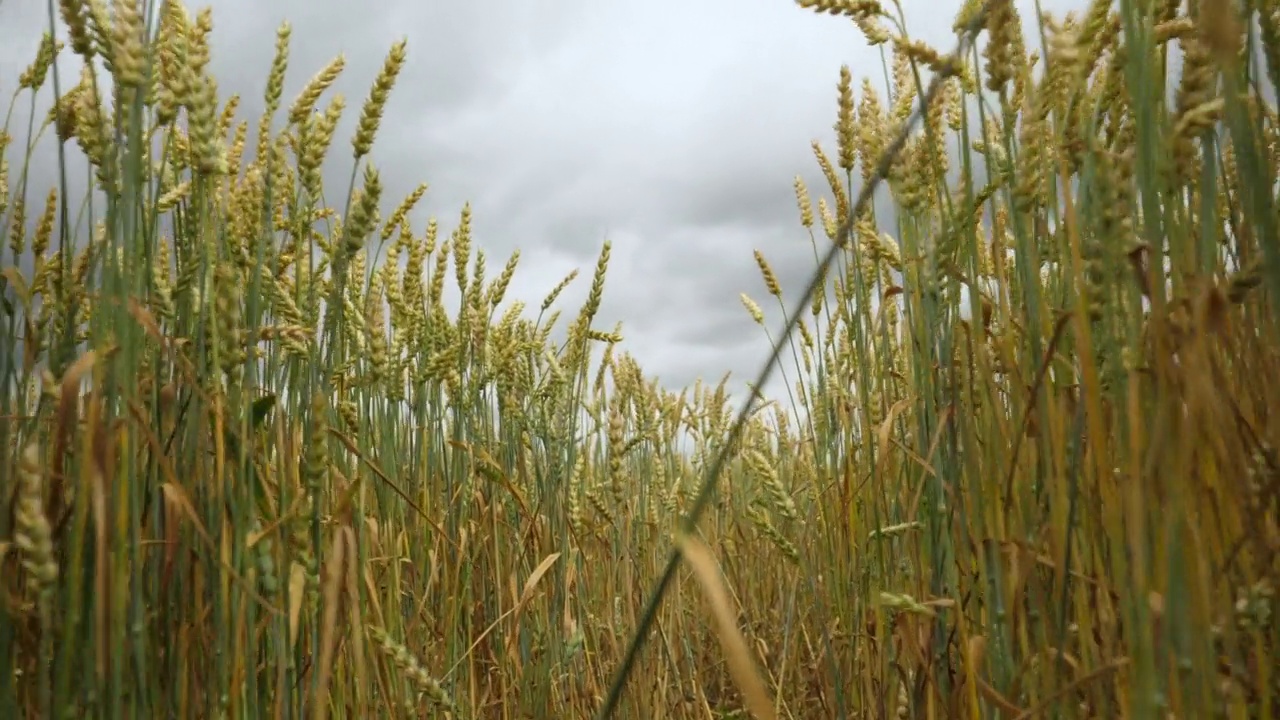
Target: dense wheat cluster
252	464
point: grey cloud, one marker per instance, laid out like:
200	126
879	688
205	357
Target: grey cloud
672	129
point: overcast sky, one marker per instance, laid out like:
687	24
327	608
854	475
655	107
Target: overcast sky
673	129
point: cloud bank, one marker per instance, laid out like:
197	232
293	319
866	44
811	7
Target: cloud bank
672	129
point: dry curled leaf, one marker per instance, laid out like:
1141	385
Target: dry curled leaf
741	666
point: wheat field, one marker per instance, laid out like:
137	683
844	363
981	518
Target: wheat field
252	465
